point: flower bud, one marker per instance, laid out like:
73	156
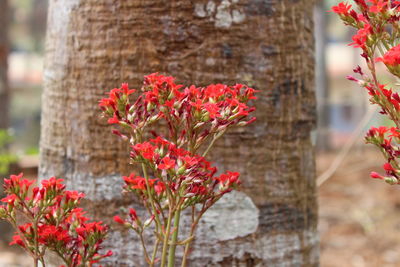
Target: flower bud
181	170
391	180
3	212
148	221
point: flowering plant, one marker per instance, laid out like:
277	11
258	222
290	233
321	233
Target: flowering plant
175	174
48	218
378	32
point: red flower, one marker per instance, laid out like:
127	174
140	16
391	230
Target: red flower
212	109
145	149
24	228
74	195
391	57
377	132
361	37
376	175
166	164
190	161
228	178
197	104
17	241
10	199
132	213
159	187
53	183
107	103
51	233
125	89
118	219
388	167
113	120
341	9
378	6
137	182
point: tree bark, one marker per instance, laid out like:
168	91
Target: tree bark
4	89
94	45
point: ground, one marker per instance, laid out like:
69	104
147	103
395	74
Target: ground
359	217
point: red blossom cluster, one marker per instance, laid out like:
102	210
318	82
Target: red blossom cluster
176	174
177	169
377	22
48	218
197	112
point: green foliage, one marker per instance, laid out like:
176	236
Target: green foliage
32	151
5	157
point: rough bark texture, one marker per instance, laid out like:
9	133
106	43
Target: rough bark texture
94	45
4	90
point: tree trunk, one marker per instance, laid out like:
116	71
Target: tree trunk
94	45
4	89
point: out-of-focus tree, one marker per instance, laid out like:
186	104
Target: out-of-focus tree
322	84
4	89
94	45
37	23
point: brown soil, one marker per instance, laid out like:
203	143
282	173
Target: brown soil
359	216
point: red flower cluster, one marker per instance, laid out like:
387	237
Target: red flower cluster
387	138
368	21
179	177
178	170
392	60
55	222
196	110
341	9
377	25
360	39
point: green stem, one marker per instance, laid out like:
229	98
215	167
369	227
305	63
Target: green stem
209	146
153	257
166	239
35	233
150	196
146	255
66	261
171	253
187	247
193	228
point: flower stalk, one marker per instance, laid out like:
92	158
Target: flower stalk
175	176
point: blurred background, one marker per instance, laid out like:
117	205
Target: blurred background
359	217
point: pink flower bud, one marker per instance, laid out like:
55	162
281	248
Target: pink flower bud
376	175
118	220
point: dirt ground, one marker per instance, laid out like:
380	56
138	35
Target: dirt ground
359	218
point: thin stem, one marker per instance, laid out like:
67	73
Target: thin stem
43	262
172	248
150	196
153	257
66	261
146	255
215	138
193	229
166	239
35	236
